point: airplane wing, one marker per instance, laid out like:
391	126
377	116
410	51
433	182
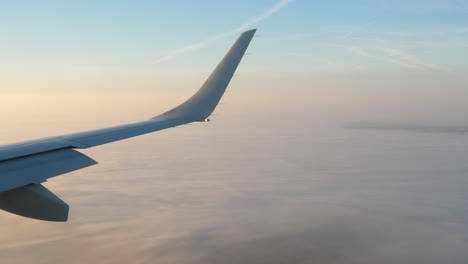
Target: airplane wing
24	166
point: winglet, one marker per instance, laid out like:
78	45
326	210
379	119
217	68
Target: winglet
202	103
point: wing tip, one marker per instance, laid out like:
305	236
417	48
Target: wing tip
249	32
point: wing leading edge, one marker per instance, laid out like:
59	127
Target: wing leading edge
16	174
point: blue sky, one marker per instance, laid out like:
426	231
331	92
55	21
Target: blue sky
78	39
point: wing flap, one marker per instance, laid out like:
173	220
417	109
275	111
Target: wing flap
34	169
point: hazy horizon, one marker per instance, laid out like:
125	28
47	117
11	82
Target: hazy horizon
268	180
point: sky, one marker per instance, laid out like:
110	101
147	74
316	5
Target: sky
342	139
51	43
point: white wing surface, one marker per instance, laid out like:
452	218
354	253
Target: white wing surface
24	165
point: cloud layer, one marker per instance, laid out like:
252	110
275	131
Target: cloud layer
253	189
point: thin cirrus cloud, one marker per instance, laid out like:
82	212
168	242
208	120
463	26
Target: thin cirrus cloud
393	56
364	53
346	65
411	58
350	32
244	26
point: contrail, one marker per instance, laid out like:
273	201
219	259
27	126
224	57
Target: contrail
244	26
275	8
